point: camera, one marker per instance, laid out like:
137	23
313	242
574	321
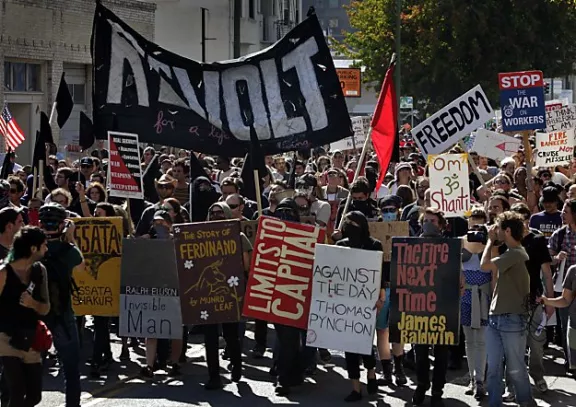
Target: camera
478	234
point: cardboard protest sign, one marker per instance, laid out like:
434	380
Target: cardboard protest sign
280	282
494	145
360	126
385	231
449	183
555	148
345	287
210	271
522	100
425	290
100	241
124	170
250	228
149	300
450	124
562	118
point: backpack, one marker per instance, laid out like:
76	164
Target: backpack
60	282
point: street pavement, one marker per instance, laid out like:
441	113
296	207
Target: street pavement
122	387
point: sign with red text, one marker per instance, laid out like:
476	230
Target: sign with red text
555	148
522	100
280	282
345	288
449	184
124	170
425	291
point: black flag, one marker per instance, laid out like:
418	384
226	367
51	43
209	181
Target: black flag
292	176
7	166
86	132
64	102
253	161
42	137
196	169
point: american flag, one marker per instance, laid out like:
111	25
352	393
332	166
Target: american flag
10	130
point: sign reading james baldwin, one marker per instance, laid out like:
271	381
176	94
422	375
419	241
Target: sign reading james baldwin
289	93
425	290
280	283
453	122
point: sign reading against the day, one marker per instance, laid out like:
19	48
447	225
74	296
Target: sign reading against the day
494	145
210	271
444	128
522	100
280	282
345	287
563	118
350	81
449	183
555	148
149	300
385	231
100	241
425	290
124	170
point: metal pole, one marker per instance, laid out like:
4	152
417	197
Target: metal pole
237	16
398	41
203	33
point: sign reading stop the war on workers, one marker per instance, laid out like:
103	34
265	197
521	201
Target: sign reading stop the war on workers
522	100
280	282
449	183
453	122
555	148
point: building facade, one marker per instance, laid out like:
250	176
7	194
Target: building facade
40	39
332	16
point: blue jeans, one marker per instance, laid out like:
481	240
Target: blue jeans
506	339
67	344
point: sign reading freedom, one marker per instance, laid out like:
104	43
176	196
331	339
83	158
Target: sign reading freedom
425	290
280	283
288	93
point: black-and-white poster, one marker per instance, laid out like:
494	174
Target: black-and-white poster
288	93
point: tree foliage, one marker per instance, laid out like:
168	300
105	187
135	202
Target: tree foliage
449	46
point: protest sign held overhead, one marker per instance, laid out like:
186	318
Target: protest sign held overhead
280	282
449	184
210	271
288	93
453	122
360	126
124	170
522	100
563	118
149	300
385	231
425	290
555	148
345	287
100	241
494	145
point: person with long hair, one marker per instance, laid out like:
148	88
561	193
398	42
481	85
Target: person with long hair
97	192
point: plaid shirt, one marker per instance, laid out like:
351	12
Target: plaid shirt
568	246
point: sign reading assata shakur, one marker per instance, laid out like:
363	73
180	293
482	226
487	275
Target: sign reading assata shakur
100	241
425	290
280	281
288	93
149	300
210	271
346	284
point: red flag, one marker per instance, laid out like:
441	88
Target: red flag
385	124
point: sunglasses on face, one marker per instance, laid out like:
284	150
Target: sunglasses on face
501	182
165	186
233	206
216	214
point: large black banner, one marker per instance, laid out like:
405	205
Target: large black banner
425	291
288	93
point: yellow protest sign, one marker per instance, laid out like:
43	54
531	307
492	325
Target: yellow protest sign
100	241
385	231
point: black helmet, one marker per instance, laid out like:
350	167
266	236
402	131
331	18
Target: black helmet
52	215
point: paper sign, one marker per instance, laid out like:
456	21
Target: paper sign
446	127
149	300
280	282
345	288
522	100
555	148
350	81
425	290
100	241
561	119
361	126
385	231
210	271
124	170
449	184
494	145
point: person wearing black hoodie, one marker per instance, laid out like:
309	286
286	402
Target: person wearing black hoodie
356	235
203	196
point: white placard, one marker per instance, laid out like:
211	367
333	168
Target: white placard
555	148
561	119
360	126
345	288
494	145
449	184
453	122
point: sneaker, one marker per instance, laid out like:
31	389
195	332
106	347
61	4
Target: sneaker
174	370
387	372
258	351
419	396
480	392
236	373
282	391
354	396
542	386
470	389
508	397
147	373
401	379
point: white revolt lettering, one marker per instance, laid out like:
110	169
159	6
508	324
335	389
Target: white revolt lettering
260	82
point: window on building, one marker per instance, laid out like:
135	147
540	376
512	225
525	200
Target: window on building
319	3
333	23
252	9
78	93
333	3
22	77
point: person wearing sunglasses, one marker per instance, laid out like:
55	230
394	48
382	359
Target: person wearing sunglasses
236	204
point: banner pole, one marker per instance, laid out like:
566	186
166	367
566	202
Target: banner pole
34	182
258	192
473	165
52	112
357	174
528	158
40	178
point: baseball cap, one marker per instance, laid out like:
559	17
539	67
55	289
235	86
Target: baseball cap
87	161
162	215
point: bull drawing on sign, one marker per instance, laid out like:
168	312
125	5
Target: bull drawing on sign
211	280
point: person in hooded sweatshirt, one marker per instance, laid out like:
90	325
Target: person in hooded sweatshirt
203	196
356	235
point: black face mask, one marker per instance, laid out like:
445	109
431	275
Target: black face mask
360	205
352	232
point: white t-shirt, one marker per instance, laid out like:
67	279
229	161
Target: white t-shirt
321	210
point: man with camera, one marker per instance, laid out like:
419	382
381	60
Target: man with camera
62	258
